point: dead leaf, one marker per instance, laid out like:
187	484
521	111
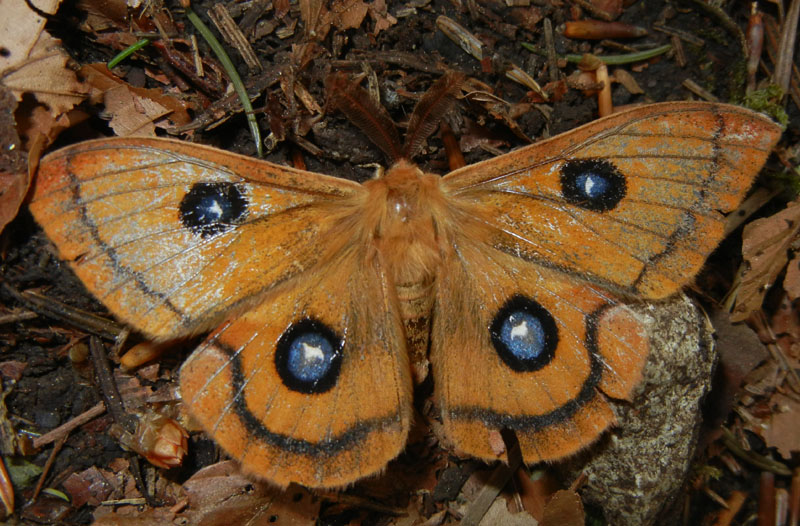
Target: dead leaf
765	243
316	18
783	432
88	486
564	509
20	28
624	77
102	15
534	492
785	321
740	351
220	495
36	63
348	14
14	178
380	14
613	8
131	114
791	283
134	111
110	516
499	515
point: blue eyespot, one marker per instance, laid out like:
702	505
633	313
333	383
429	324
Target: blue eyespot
593	184
524	334
212	208
308	357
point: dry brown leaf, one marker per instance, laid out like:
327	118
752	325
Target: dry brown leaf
564	509
613	8
499	515
102	15
627	80
111	516
20	28
132	114
133	111
791	283
348	14
13	187
35	62
14	178
783	432
89	486
765	243
220	495
380	14
38	128
316	18
534	492
785	321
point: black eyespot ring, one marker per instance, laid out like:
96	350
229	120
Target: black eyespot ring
308	357
524	334
593	184
208	209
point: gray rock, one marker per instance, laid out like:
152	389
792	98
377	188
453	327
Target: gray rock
637	470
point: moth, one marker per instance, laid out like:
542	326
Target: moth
514	272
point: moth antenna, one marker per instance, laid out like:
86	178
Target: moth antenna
350	98
436	102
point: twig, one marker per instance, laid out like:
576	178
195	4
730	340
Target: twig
683	35
698	90
48	465
222	19
18	316
116	409
66	428
550	47
766	499
733	505
753	458
86	321
726	22
794	499
783	66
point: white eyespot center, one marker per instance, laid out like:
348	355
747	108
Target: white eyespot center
312	353
589	185
215	210
520	330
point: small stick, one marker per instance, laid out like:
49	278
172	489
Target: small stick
65	429
18	316
83	320
733	505
48	465
766	499
550	47
225	24
698	90
794	499
113	400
